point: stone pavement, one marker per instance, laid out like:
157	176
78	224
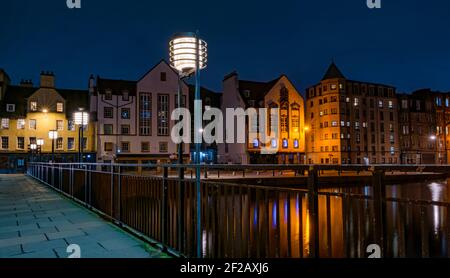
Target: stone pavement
36	222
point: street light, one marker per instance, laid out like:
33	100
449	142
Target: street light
81	119
53	135
39	143
33	148
189	55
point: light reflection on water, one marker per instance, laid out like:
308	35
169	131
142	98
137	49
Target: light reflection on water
279	226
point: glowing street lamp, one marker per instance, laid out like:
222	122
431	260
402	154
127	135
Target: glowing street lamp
53	135
81	119
189	55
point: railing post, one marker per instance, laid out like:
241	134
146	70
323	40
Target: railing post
112	192
313	207
379	205
119	192
181	210
164	209
85	184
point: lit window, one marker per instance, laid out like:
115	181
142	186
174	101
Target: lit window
20	124
108	146
391	104
356	101
125	113
59	143
380	104
33	106
5	123
333	86
256	143
71	125
60	107
296	144
285	144
334	123
33	124
59	125
274	143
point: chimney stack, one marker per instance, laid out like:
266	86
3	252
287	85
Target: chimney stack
28	83
47	79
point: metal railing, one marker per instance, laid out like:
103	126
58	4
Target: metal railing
247	220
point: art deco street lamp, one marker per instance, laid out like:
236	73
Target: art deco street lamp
189	55
82	120
33	148
53	135
40	144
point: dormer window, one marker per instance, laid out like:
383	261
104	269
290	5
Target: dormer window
33	106
59	107
10	108
125	96
108	95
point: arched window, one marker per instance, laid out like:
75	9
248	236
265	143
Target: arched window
285	144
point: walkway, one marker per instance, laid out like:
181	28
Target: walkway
36	222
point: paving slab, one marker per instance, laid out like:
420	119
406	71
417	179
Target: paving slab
37	222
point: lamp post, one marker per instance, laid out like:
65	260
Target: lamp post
40	144
188	55
33	148
53	135
81	119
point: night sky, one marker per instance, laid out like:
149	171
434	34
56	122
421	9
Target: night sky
405	43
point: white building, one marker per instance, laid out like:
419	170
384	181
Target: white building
133	117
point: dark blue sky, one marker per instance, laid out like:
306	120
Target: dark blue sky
405	44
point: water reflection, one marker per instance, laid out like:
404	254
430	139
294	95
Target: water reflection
276	223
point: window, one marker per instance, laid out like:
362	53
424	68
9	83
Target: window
108	147
255	143
125	129
59	143
296	144
108	112
392	150
285	143
333	86
33	124
391	104
145	147
163	115
20	143
32	140
163	76
145	114
334	123
11	108
5	142
108	129
59	125
108	95
21	124
59	107
84	143
380	104
125	147
163	147
125	96
405	104
125	113
356	102
5	123
71	125
70	143
33	106
274	143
